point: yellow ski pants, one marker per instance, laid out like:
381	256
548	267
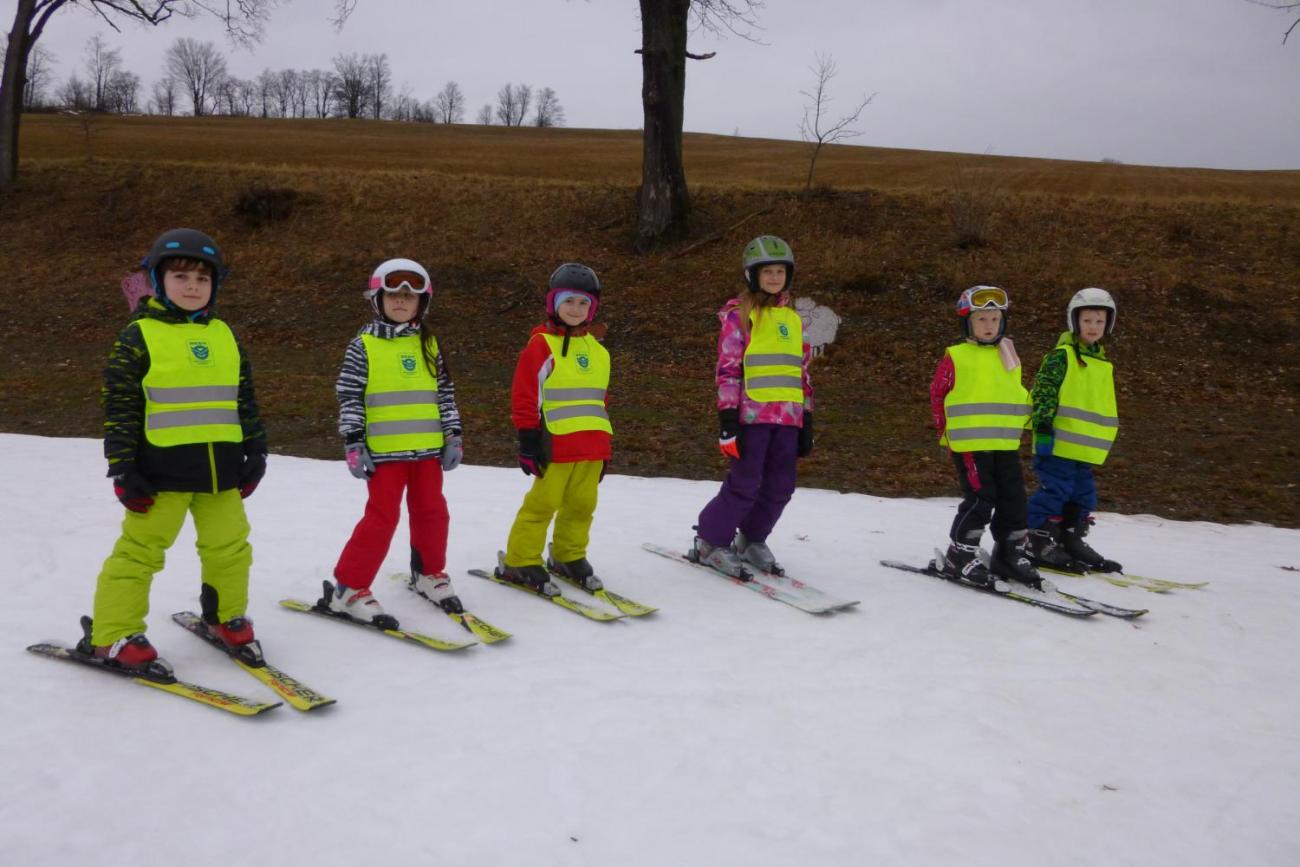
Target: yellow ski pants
566	489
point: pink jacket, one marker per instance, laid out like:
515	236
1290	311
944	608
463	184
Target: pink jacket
732	343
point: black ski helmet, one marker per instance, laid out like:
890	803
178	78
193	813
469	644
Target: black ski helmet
573	277
183	244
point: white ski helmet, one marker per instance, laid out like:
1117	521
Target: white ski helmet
395	275
1090	298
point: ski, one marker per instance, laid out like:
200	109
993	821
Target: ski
1100	607
1124	579
298	694
588	611
479	628
629	607
194	692
321	609
791	591
1071	610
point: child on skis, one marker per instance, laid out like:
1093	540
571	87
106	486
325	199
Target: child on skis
765	413
1075	422
182	435
558	405
980	408
401	431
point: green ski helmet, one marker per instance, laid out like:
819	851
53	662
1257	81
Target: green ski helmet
767	250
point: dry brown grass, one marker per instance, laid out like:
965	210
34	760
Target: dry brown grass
1205	266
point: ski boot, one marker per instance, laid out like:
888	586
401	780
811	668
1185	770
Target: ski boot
359	604
132	654
438	590
962	563
1043	547
1072	541
1009	561
578	572
721	558
757	554
534	578
236	635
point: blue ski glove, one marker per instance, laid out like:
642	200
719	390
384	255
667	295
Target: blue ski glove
452	452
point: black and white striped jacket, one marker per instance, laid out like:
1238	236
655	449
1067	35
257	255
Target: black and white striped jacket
350	389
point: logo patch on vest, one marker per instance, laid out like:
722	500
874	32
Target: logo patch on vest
783	330
408	364
200	353
584	361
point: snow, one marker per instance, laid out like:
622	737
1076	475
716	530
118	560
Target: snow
929	726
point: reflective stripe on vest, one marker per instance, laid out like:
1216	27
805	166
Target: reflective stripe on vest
573	394
988	407
1086	417
774	357
401	396
191	390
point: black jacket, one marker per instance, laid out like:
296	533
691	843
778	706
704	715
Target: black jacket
202	467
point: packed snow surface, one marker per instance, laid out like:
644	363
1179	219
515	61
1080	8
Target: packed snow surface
931	725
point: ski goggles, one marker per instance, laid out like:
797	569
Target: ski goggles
982	298
396	281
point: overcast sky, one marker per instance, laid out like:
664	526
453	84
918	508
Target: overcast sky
1163	82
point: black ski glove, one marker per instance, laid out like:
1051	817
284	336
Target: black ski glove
532	452
132	488
729	433
806	435
251	473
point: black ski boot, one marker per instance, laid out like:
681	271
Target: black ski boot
578	571
1072	541
1043	547
962	563
534	578
1009	561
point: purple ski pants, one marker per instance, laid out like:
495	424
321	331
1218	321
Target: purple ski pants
756	489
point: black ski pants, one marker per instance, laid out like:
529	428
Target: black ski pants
993	486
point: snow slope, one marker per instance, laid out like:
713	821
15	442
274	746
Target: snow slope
930	726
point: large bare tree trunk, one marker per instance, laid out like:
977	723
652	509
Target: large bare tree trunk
11	91
663	202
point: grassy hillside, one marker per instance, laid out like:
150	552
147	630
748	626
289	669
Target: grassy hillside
1205	266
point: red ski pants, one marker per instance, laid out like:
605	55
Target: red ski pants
426	511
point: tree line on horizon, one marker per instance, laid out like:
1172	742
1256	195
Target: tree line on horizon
195	81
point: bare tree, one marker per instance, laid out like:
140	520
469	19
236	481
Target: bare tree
122	93
663	202
484	116
350	84
244	21
199	67
165	93
505	111
264	93
1287	7
320	88
102	63
449	104
282	86
76	95
549	110
816	128
40	68
379	83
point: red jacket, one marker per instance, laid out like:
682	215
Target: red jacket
535	364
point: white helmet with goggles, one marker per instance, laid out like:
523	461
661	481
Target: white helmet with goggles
396	275
983	298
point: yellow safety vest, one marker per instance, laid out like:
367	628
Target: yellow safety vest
1086	417
987	408
573	394
401	396
774	358
191	391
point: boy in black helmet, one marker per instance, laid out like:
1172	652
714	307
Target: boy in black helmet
182	435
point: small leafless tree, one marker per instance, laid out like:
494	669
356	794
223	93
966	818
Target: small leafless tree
165	93
199	67
264	89
350	90
282	88
102	63
40	67
320	90
122	93
549	111
379	83
506	109
449	104
76	95
816	128
484	116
